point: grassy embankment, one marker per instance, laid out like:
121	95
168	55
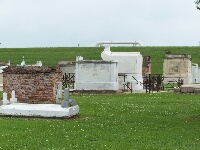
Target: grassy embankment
51	56
123	121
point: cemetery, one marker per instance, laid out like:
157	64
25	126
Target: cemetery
136	120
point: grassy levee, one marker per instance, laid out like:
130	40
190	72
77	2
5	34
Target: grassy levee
106	121
112	122
51	56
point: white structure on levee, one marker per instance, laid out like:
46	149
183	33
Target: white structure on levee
134	43
129	64
23	63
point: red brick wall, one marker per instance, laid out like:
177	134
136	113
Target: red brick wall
32	87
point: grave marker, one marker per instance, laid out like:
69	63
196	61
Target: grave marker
13	99
5	99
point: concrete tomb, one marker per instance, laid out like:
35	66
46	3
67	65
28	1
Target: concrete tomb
129	66
67	66
96	75
195	73
40	110
32	84
177	67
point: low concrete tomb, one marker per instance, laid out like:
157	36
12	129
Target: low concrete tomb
96	75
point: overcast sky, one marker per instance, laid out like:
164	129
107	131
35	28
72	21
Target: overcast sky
65	23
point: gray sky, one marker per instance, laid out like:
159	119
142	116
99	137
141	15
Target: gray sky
65	23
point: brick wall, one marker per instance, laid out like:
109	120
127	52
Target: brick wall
32	84
146	66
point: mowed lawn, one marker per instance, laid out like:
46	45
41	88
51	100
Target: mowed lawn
120	121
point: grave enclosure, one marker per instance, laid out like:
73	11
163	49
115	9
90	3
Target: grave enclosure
96	75
129	66
32	84
177	67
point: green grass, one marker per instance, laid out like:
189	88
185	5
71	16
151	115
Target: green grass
121	121
51	56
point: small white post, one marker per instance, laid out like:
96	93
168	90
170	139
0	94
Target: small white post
13	99
5	99
59	93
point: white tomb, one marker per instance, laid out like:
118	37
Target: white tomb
129	64
38	110
195	73
96	75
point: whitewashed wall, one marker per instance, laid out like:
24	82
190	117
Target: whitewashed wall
195	73
130	64
1	77
96	75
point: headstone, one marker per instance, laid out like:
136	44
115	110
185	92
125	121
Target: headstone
5	99
67	102
66	94
23	62
13	99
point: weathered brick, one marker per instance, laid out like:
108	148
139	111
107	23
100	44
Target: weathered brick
31	84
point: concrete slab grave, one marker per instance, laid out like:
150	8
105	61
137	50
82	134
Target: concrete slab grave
64	110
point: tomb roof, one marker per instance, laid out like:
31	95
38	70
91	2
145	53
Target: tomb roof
168	56
66	62
30	69
97	61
